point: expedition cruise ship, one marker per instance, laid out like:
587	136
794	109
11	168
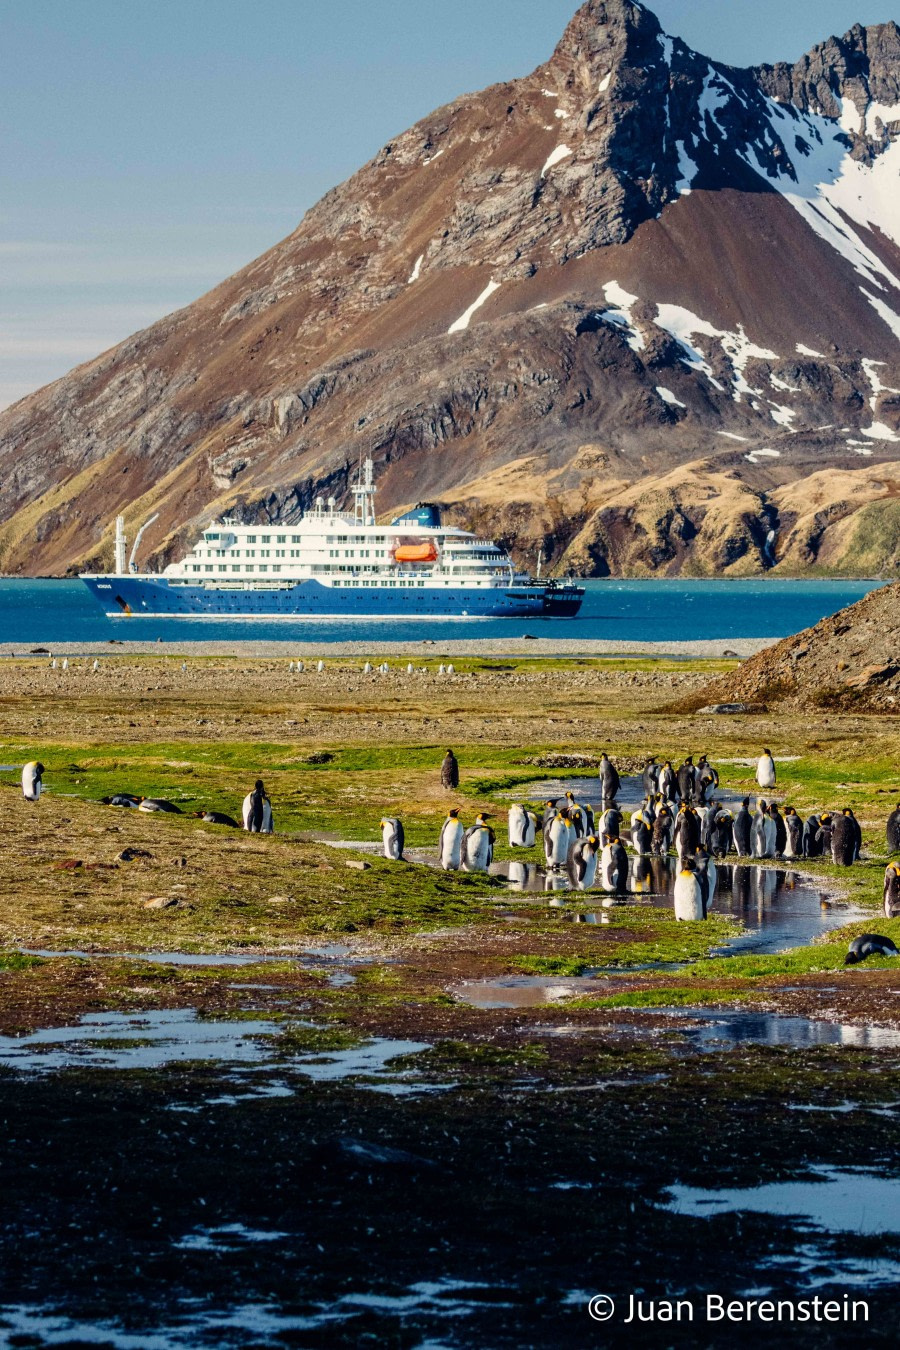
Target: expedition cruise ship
334	563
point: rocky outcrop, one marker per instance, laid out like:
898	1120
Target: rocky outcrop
848	661
638	311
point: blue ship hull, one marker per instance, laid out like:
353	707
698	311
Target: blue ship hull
155	597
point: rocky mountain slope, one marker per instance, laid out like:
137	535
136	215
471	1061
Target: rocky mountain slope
850	660
638	309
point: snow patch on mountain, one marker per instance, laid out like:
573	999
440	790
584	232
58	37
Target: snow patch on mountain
464	319
561	152
620	316
668	397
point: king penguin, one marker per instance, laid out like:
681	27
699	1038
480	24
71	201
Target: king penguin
451	842
392	838
892	891
581	864
793	825
614	867
765	770
743	826
32	782
478	845
869	944
688	896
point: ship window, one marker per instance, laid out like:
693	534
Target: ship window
281	539
222	567
336	583
277	567
196	567
208	567
265	538
263	567
251	538
295	553
342	539
264	552
210	536
420	583
235	567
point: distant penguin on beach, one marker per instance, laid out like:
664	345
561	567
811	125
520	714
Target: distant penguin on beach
32	782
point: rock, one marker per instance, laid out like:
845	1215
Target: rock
179	862
728	708
357	865
161	902
68	864
729	652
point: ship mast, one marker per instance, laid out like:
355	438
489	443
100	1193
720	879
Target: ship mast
364	495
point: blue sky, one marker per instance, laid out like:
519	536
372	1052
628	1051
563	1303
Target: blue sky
148	148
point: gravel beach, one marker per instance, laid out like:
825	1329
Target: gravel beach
435	648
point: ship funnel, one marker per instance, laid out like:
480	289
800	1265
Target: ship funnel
121	541
132	565
331	503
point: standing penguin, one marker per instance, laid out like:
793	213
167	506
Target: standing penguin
707	778
450	771
641	839
687	779
892	891
893	831
843	840
707	875
765	770
581	863
758	839
812	845
478	845
451	842
518	826
823	835
743	826
392	838
663	832
780	829
687	832
650	777
32	781
688	896
559	834
254	814
614	867
668	783
721	834
857	832
793	826
610	782
610	824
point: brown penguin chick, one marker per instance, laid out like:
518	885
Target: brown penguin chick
450	771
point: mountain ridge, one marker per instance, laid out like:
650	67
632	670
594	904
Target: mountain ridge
607	310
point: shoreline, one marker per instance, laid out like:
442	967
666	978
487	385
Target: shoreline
431	648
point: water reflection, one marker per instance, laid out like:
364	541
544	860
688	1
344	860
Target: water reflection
777	908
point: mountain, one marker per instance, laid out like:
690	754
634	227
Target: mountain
638	308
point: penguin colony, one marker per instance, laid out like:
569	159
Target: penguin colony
678	811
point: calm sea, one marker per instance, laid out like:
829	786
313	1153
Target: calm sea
653	611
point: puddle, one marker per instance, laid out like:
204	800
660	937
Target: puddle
587	790
337	952
163	1037
522	991
777	908
265	1322
722	1029
817	1269
229	1236
837	1200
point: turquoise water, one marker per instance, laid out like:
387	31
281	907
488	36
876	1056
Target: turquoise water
50	611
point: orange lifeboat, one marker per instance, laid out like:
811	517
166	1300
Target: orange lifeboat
416	553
